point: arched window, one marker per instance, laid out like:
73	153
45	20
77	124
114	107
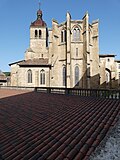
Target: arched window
63	36
107	76
40	33
42	77
64	76
76	34
76	76
29	73
36	33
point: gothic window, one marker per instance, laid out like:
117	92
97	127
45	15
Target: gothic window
29	76
40	33
107	76
76	76
64	76
63	36
36	33
42	77
76	34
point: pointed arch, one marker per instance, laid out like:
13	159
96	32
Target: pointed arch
108	75
42	77
64	75
63	35
29	75
76	33
36	33
40	33
77	75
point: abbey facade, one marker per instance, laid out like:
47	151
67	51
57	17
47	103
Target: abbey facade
67	55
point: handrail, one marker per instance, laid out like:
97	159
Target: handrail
98	93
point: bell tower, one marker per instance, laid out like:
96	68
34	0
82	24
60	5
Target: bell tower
39	37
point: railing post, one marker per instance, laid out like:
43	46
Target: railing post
115	94
67	91
48	90
35	89
118	94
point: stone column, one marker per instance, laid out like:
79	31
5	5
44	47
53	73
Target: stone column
68	73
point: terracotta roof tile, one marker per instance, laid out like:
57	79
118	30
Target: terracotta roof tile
39	23
42	126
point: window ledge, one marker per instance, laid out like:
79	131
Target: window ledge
76	41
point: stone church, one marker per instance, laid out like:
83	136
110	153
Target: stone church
67	55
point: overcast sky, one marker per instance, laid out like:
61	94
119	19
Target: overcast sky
17	15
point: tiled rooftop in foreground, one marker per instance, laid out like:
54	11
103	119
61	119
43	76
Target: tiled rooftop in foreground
40	126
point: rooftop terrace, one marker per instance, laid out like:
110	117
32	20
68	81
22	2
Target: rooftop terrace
53	127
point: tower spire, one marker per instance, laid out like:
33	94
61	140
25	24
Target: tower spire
39	12
39	5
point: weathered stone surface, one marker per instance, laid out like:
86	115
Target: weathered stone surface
73	43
